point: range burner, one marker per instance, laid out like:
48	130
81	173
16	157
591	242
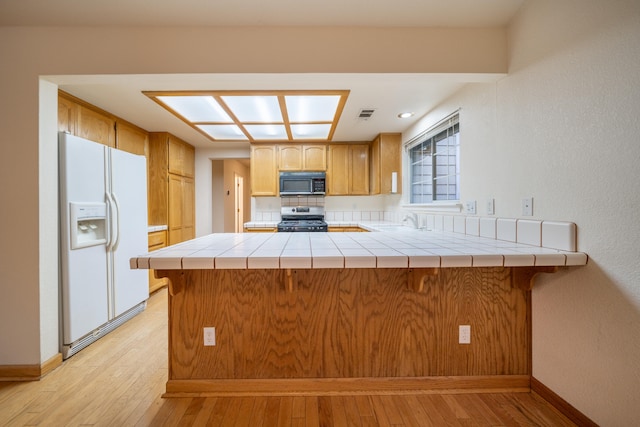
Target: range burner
302	219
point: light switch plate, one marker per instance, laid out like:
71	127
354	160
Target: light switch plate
490	207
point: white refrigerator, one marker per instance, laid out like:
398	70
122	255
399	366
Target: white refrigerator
103	223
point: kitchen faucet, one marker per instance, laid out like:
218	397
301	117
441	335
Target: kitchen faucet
413	217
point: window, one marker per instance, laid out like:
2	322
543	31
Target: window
434	163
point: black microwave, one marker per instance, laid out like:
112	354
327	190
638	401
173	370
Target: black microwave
302	183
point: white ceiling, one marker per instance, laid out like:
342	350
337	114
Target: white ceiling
389	94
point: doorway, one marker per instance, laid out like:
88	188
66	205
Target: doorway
239	203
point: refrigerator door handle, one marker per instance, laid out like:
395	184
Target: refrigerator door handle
113	223
116	228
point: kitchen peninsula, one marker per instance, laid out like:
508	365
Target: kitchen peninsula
327	313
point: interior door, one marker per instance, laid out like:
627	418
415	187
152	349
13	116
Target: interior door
239	203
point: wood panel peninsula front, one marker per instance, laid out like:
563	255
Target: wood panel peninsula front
329	313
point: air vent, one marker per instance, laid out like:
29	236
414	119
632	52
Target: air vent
366	113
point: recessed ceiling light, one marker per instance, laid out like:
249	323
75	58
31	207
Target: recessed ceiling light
405	115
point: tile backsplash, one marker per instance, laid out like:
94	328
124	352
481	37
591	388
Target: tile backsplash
302	201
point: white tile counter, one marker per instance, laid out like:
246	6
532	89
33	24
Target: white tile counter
390	249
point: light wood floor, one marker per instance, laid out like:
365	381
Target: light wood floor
119	380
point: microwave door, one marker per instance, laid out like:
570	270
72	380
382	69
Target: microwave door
292	186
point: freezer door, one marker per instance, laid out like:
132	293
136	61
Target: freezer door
84	270
129	192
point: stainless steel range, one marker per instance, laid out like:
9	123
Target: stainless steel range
302	219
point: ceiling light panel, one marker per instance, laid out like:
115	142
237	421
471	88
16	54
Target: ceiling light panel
267	132
303	108
196	108
256	116
261	109
310	131
223	132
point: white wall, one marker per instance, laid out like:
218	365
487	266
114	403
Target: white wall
563	127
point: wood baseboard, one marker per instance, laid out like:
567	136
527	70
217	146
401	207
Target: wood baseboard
560	404
347	386
29	372
51	364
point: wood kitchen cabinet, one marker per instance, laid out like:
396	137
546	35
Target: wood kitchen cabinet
306	157
264	170
385	159
82	119
95	126
132	139
171	185
314	157
181	208
341	229
67	114
181	157
348	169
85	120
157	240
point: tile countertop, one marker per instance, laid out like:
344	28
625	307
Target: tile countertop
389	249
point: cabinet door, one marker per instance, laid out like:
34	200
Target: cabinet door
131	139
67	115
158	176
338	170
188	209
181	157
264	170
314	157
386	158
175	209
289	157
359	169
157	240
96	127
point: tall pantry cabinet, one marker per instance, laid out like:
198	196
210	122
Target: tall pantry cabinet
172	186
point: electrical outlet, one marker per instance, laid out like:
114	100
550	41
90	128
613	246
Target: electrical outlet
490	207
210	336
471	207
464	334
527	206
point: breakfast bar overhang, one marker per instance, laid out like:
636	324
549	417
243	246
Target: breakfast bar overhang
331	313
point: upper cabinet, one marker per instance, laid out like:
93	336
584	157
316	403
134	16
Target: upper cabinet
131	138
289	157
95	126
386	159
264	170
314	157
348	169
87	121
347	166
352	168
181	157
304	157
67	114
